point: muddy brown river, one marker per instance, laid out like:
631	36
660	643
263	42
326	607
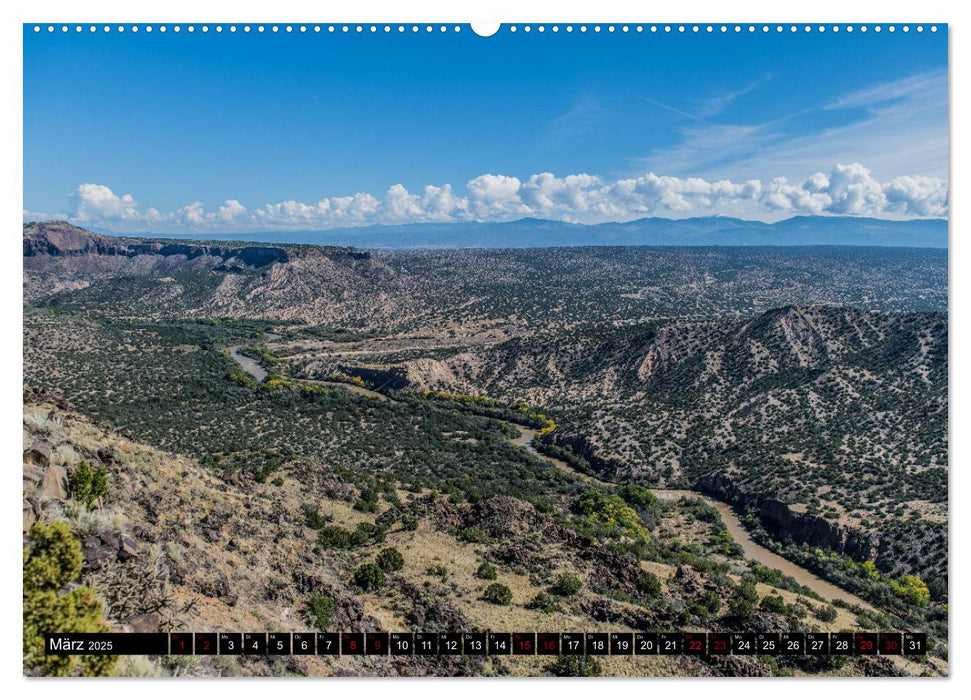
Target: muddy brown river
752	549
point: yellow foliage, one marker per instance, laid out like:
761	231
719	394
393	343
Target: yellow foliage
912	589
348	379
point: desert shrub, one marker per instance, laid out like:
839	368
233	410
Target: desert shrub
334	537
262	473
315	520
637	496
576	667
566	584
648	585
826	613
409	522
774	604
707	604
320	609
390	559
51	561
369	577
543	602
439	571
498	594
487	571
368	501
87	485
743	600
472	534
364	532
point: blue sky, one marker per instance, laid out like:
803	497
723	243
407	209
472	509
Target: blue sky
142	132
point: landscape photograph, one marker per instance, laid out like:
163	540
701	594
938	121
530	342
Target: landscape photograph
520	355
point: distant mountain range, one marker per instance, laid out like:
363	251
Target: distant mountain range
540	233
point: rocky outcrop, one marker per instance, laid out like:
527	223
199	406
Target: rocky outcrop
100	548
41	484
504	516
783	522
61	239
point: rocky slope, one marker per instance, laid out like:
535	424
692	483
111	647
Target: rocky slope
174	546
832	410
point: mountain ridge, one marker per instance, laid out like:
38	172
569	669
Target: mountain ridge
647	231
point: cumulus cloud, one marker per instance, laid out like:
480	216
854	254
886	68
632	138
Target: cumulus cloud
93	203
496	195
922	196
846	190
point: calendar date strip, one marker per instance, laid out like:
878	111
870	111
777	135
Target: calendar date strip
488	643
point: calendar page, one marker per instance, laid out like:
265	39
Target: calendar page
526	349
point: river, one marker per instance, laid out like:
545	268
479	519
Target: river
752	549
251	366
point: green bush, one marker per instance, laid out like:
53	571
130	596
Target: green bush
368	502
566	584
912	589
439	571
409	522
707	604
744	600
334	537
472	534
612	511
487	571
315	520
364	532
51	561
369	577
649	585
637	496
87	485
390	559
320	609
575	667
543	602
498	594
826	613
773	604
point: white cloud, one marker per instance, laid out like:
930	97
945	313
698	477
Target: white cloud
94	203
492	195
846	190
231	210
810	198
919	196
853	190
652	193
546	192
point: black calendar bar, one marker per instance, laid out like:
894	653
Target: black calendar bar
490	643
108	644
